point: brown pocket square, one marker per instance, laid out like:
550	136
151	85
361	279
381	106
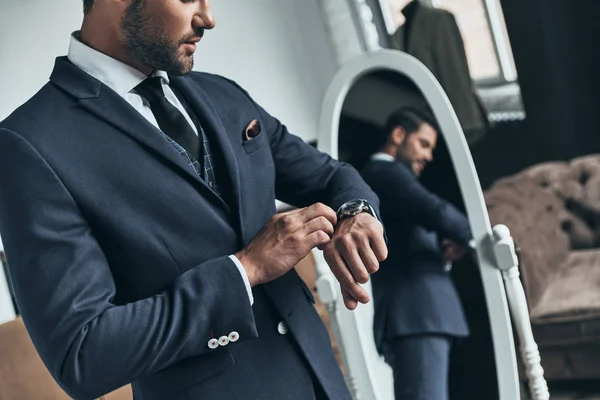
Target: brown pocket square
252	130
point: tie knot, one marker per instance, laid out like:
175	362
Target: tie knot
150	89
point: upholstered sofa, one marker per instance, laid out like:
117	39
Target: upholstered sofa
23	376
553	212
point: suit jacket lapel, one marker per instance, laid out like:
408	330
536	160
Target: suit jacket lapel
217	135
113	109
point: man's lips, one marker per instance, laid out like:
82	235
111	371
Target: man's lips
191	47
191	44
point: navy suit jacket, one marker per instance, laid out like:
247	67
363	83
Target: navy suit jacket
413	292
118	251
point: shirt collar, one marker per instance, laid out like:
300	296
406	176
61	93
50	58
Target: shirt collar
382	157
115	74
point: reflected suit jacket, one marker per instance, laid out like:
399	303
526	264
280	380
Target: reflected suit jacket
413	291
118	251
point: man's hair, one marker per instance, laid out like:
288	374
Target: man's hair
409	119
87	6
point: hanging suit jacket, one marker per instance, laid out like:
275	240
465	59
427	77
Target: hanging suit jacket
413	292
118	251
432	36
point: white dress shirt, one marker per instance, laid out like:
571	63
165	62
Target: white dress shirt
382	157
123	79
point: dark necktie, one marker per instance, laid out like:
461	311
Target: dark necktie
174	124
170	120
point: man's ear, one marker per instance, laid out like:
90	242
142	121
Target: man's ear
398	135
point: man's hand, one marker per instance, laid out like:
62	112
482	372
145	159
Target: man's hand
354	252
285	240
452	250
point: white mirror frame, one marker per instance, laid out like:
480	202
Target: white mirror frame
368	377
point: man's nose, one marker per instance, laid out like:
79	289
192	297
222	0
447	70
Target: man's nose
204	18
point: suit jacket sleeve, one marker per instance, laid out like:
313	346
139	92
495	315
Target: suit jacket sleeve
408	200
65	288
305	175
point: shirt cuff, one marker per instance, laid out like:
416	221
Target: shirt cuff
240	268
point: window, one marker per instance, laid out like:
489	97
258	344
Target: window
483	31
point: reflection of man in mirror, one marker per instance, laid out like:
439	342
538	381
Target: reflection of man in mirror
418	315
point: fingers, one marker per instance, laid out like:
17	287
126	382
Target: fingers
315	239
450	254
344	277
320	223
378	245
317	210
349	301
305	228
376	240
454	252
349	252
369	259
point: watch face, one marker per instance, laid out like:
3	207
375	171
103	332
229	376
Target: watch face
352	205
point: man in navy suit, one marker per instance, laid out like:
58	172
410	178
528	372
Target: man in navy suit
138	217
417	310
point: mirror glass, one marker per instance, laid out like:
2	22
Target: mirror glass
367	107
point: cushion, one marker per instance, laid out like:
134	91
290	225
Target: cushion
548	175
574	293
586	172
569	315
577	185
533	216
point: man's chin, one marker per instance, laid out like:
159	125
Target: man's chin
183	68
187	65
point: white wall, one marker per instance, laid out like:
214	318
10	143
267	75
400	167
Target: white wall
32	33
277	49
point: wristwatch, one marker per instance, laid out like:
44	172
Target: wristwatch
354	207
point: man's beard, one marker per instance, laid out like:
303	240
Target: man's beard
148	43
404	158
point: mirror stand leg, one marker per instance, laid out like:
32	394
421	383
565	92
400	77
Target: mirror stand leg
529	349
507	262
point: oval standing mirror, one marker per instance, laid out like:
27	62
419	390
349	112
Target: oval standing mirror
396	78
